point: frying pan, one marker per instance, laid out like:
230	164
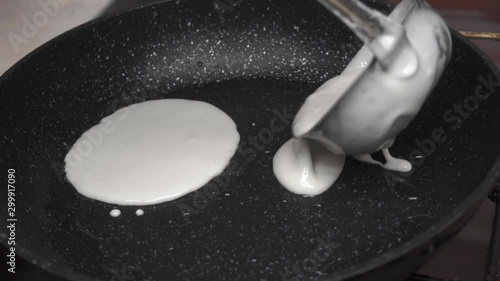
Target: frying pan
257	61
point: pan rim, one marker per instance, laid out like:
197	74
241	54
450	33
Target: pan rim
421	241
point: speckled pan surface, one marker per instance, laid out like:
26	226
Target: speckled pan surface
257	61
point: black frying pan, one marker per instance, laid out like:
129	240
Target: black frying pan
257	61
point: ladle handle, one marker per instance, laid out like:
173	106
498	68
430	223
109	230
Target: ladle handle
368	24
383	36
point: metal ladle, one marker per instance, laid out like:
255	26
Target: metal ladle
392	55
381	34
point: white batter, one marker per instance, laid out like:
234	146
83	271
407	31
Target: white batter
152	152
115	213
392	163
306	167
139	212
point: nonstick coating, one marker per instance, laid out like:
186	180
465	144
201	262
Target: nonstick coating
257	61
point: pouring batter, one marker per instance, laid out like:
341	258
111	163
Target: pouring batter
362	110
